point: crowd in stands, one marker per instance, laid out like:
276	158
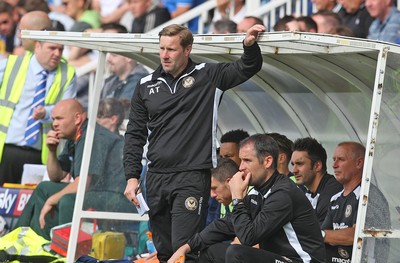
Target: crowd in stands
372	19
24	62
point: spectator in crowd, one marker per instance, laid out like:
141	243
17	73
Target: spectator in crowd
125	74
355	16
81	12
110	114
224	12
52	202
61	22
309	167
338	229
110	11
230	144
307	24
326	21
341	31
9	19
282	24
179	113
386	26
38	80
35	20
179	7
147	15
224	26
247	23
326	5
272	211
302	24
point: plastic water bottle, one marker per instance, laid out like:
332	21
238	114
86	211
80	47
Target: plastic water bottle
149	243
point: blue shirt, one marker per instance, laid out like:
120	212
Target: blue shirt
16	130
388	30
172	5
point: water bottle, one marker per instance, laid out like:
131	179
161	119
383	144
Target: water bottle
149	243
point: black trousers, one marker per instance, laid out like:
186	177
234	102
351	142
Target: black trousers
13	160
178	205
245	254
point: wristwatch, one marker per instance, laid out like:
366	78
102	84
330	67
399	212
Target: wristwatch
236	201
323	234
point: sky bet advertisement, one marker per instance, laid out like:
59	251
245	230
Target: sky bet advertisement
13	201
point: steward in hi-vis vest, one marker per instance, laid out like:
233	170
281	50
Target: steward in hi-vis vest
30	87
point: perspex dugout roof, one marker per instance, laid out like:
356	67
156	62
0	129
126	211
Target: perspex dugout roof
328	87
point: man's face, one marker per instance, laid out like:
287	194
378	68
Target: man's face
321	5
251	164
221	191
378	8
7	24
345	166
302	168
139	7
117	63
230	150
173	56
48	54
64	122
351	6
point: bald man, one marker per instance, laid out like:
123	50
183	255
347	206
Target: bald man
34	20
52	203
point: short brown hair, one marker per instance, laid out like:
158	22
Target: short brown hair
177	30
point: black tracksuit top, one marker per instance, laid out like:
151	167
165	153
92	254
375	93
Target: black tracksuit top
277	216
181	114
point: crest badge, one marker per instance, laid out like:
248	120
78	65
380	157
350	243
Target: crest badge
348	211
188	82
343	253
191	203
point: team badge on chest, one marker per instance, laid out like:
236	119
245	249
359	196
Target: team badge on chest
348	211
188	82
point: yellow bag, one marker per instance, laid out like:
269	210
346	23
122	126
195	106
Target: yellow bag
108	245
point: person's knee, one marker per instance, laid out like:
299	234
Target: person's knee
66	208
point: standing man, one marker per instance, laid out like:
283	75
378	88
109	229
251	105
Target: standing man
178	104
309	167
275	214
30	85
338	229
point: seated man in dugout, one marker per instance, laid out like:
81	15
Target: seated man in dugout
275	214
52	203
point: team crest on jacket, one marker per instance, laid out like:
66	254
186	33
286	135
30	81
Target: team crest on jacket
348	211
191	203
188	82
343	253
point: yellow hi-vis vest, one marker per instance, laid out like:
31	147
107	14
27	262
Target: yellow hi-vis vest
11	89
